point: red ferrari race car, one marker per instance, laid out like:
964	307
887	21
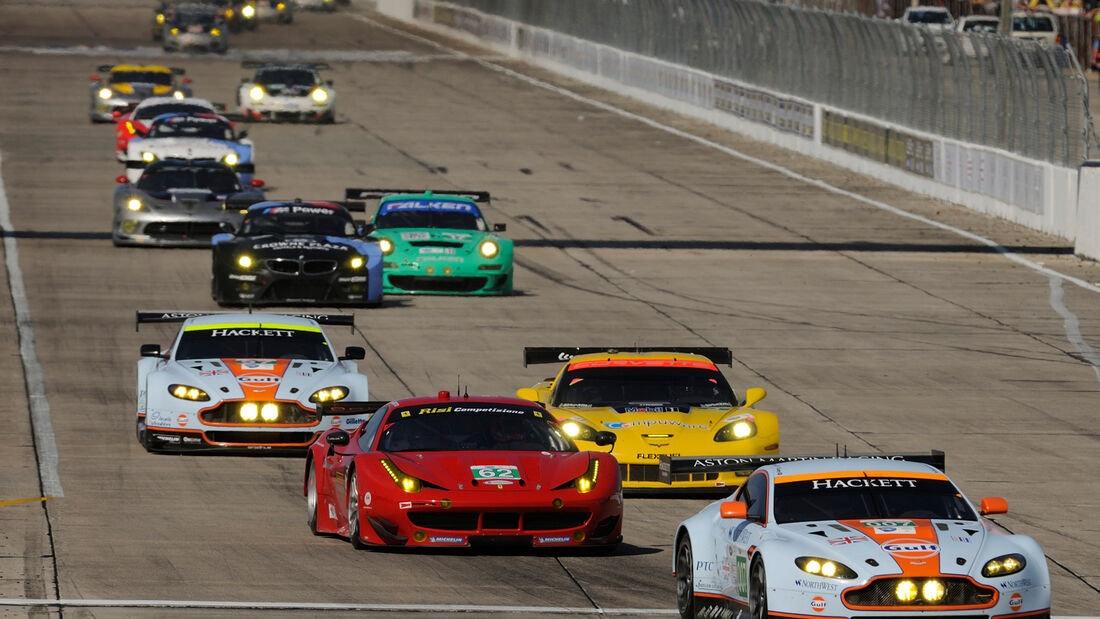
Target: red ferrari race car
462	471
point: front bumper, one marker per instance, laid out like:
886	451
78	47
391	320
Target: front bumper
446	279
200	42
261	285
169	229
292	109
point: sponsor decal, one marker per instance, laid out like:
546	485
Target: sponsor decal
456	236
654	456
962	539
192	440
851	539
296	209
427	205
449	251
335	421
1016	602
887	523
257	364
1022	583
643	363
895	530
704	566
214	373
645	423
257	380
332	511
353	279
243	278
405	505
742	575
366	498
415	236
181	420
818	603
167	438
303	244
499	474
445	539
911	549
816	585
863	482
251	332
554	539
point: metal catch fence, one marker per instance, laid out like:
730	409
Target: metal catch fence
1021	96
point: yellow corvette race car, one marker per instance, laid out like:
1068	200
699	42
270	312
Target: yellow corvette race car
658	401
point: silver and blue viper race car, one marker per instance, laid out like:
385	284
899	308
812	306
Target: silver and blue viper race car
244	382
869	536
191	137
287	91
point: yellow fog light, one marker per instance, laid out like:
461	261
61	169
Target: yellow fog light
230	159
269	412
386	246
148	157
320	96
174	31
160	19
578	536
249	411
356	262
215	32
178	94
906	591
248	11
256	93
419	536
133	204
445	503
488	249
932	591
129	226
244	261
280	6
558	503
429	270
104	93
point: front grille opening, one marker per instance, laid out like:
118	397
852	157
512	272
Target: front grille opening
438	284
959	592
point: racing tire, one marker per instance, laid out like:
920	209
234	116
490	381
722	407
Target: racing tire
690	607
142	436
354	530
311	497
758	591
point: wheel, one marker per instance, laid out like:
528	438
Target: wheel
758	591
311	498
685	579
353	513
142	436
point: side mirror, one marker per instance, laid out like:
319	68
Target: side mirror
367	227
243	134
754	395
994	505
186	80
527	394
116	114
121	179
256	183
95	78
337	438
734	509
500	227
354	352
605	438
150	350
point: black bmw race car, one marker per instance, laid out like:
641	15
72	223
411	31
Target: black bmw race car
297	252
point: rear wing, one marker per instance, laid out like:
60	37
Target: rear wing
346	409
481	197
145	317
242	202
558	354
673	465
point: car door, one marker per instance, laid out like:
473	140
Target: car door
337	462
734	536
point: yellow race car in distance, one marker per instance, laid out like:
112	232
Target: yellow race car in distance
658	401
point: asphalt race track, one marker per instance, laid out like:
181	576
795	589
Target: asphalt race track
868	329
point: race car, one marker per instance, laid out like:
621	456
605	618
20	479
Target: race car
243	382
134	123
278	11
287	91
870	536
180	203
438	242
191	136
297	252
195	27
127	85
453	471
318	5
660	401
239	14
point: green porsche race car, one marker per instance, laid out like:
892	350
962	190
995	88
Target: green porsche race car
438	242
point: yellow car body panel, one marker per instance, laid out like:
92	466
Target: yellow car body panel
647	431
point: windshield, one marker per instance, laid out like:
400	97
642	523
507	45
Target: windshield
196	18
298	220
261	341
152	111
141	77
285	77
1032	24
220	181
427	213
472	427
619	386
192	127
929	17
852	498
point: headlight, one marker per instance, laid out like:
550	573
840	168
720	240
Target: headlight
320	96
578	431
585	483
356	262
932	590
736	431
174	31
906	591
215	32
249	411
280	6
257	93
406	482
248	11
133	204
488	249
1005	565
177	94
824	567
187	392
245	261
160	19
230	159
329	394
148	157
269	412
386	246
104	93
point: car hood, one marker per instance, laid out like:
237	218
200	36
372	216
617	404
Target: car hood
308	246
141	90
188	148
434	240
188	197
658	418
284	90
261	379
454	470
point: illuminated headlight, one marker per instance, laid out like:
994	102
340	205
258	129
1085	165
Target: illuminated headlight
216	32
406	482
133	204
932	590
249	411
824	567
160	19
356	262
736	431
269	412
245	261
386	246
257	93
488	249
104	93
906	591
578	431
230	159
248	11
329	394
281	6
148	157
177	94
187	392
585	483
174	31
1004	565
320	96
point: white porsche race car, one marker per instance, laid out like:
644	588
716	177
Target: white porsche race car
287	92
242	382
869	536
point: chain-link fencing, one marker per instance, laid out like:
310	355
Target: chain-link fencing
1022	96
